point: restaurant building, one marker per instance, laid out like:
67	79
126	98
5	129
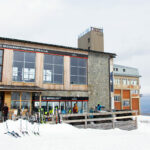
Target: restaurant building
34	75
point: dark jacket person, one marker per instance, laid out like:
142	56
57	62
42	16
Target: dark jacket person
5	112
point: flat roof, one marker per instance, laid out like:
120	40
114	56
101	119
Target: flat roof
113	55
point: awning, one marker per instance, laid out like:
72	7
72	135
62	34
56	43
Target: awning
21	88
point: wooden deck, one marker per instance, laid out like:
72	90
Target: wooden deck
102	120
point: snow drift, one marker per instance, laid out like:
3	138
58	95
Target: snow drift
67	137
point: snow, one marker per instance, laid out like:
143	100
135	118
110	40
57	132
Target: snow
67	137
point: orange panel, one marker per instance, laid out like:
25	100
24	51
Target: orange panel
126	107
118	105
126	94
135	94
135	103
117	91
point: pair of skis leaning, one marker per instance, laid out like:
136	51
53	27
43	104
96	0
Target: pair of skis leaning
12	133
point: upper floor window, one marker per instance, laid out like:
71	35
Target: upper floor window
134	82
53	69
115	69
1	64
124	70
134	92
78	70
125	82
24	66
117	81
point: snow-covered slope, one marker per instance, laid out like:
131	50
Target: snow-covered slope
67	137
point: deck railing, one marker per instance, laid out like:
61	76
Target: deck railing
96	117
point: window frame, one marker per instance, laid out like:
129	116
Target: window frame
1	65
117	98
79	67
24	63
125	103
53	65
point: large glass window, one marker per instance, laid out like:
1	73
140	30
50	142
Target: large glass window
24	66
15	100
78	71
53	69
1	64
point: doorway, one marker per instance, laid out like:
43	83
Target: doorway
1	103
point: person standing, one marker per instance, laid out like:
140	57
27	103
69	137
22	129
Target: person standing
5	112
75	108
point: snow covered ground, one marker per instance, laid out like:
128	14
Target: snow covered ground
67	137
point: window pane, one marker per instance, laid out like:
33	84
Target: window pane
58	60
74	71
15	104
18	65
24	66
80	108
18	56
30	57
1	52
82	80
25	96
58	79
25	105
29	65
68	107
1	60
82	62
15	96
0	73
74	80
74	61
82	71
53	69
78	70
48	59
58	69
48	67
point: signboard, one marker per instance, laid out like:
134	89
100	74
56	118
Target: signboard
14	47
59	98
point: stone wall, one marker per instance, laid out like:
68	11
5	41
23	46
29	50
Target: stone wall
98	80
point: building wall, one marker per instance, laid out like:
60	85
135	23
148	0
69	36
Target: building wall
125	92
83	41
98	80
96	40
7	73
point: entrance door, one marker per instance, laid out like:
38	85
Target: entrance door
1	103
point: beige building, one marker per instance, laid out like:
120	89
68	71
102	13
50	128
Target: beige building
92	39
126	88
34	75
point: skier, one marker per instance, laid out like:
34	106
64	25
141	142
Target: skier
5	112
75	108
99	107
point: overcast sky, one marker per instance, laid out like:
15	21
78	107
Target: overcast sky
126	25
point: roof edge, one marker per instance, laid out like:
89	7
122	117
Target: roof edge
113	55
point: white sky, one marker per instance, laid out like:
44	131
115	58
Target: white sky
126	25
